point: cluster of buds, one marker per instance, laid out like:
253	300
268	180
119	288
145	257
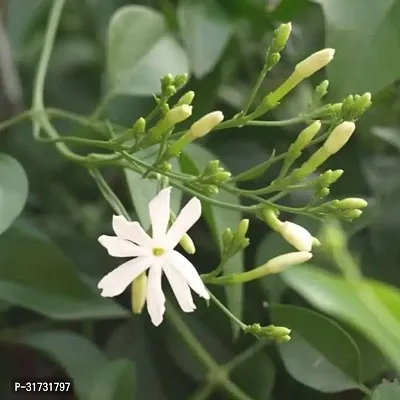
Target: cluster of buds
280	334
354	106
214	174
233	242
322	184
348	209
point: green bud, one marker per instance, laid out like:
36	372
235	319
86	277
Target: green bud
210	190
281	36
138	293
187	98
227	237
222	176
316	242
283	339
306	135
331	109
336	174
166	166
277	331
187	244
272	60
351	203
169	91
323	193
164	108
351	214
181	80
347	107
166	81
242	228
322	89
212	167
139	128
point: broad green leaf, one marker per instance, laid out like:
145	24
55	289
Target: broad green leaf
206	30
140	50
366	36
335	296
13	190
310	356
387	391
130	341
142	191
35	274
114	381
78	356
274	245
193	160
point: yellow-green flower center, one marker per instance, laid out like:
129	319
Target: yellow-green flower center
158	251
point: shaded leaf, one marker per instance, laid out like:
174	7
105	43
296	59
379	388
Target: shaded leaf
140	51
35	274
310	357
206	30
13	190
386	391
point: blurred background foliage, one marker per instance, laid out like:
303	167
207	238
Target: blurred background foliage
53	321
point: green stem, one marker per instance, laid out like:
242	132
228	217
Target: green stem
202	355
255	89
245	355
227	312
108	194
15	120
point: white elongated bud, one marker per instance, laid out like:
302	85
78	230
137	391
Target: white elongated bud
314	63
339	137
280	263
297	236
205	124
178	114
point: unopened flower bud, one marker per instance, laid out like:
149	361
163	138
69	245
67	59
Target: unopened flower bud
351	203
181	80
296	235
270	216
339	137
336	174
277	331
169	91
164	108
316	242
283	339
314	63
351	214
138	293
322	89
139	127
187	98
272	60
307	135
284	261
242	228
187	244
166	81
205	124
222	176
281	36
178	114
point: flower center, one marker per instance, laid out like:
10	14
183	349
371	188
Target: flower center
158	251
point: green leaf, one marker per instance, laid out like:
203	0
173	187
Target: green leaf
387	391
193	160
335	296
310	356
130	341
13	190
78	356
274	245
36	275
144	190
114	381
206	30
366	37
140	50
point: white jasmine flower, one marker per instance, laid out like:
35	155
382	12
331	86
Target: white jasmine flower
297	236
155	254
